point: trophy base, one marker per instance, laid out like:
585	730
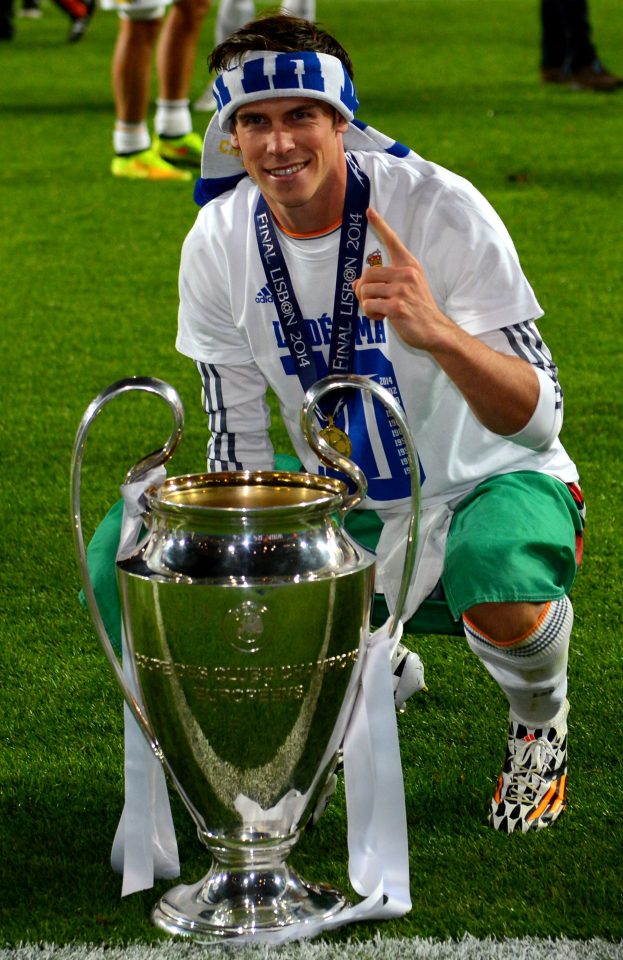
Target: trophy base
248	904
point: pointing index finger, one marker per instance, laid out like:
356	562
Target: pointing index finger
395	247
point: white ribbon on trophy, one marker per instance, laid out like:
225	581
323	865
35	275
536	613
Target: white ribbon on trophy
145	846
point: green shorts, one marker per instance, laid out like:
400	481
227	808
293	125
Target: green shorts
512	539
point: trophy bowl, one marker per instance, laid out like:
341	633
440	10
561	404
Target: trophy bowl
245	614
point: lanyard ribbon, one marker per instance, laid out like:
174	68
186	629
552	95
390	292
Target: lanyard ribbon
349	267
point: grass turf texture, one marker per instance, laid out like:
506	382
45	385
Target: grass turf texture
88	270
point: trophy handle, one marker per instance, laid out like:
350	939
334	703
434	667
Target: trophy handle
157	458
337	461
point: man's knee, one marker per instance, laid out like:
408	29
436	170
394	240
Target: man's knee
504	622
546	637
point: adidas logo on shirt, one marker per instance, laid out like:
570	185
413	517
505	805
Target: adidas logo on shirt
264	296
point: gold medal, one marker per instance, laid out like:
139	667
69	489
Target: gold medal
337	439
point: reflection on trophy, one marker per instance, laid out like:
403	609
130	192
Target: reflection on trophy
246	611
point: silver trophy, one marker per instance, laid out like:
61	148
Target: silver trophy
246	613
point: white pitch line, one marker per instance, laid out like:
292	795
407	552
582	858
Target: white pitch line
468	948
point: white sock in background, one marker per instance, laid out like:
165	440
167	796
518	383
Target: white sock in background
172	118
231	15
300	8
130	137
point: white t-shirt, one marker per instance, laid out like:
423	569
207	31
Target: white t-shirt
228	324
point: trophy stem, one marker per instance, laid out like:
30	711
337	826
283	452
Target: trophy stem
248	897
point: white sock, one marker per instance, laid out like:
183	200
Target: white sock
232	14
306	9
130	137
531	671
172	118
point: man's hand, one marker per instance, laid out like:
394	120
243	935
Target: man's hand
501	390
401	293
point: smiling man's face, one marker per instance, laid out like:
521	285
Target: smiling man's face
293	149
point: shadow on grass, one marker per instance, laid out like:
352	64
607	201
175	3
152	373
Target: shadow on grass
57	883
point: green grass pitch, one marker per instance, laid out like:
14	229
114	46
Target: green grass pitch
88	272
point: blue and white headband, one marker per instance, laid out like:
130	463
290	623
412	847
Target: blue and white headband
264	75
